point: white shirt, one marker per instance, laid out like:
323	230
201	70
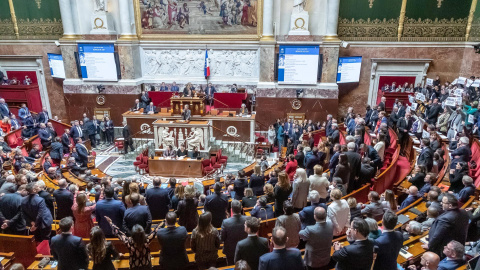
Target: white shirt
339	213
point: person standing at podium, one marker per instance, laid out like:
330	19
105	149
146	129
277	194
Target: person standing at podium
186	114
187	91
209	92
234	88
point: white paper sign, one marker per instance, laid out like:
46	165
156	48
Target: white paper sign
420	97
458	100
429	81
469	82
425	134
411	99
476	83
414	106
450	101
454	82
470	119
461	80
458	92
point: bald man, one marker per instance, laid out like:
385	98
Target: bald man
319	238
64	199
412	197
281	257
429	261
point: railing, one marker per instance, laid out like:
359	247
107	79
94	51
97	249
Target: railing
244	147
141	144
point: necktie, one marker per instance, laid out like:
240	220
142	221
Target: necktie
79	131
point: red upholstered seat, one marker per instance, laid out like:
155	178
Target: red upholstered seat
206	166
12	140
261	139
138	162
214	164
144	165
222	157
119	145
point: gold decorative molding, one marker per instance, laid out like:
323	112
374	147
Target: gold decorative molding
401	19
434	30
370	3
6	29
365	30
439	3
14	18
39	3
473	7
40	28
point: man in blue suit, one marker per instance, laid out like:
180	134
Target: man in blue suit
45	137
150	109
23	112
388	244
217	204
11	219
43	116
209	93
158	200
76	131
454	252
233	231
174	87
114	209
262	210
67	249
173	254
82	152
36	213
412	196
307	214
14	122
138	214
281	258
31	126
4	110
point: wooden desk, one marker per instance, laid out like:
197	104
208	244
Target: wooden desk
8	259
195	104
175	167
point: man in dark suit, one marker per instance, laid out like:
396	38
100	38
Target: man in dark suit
11	219
67	249
451	225
209	93
307	215
92	130
253	247
5	147
381	104
335	135
433	111
355	163
404	124
138	214
145	99
4	110
281	257
45	137
393	119
311	160
66	143
174	87
150	109
412	197
47	164
300	157
328	126
233	231
462	153
186	114
158	200
262	210
56	151
64	199
109	207
234	88
172	240
82	152
358	255
76	131
367	172
128	140
372	154
137	106
388	244
36	213
426	156
434	143
454	252
318	240
43	116
217	204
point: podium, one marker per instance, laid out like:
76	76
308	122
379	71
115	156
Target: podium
195	104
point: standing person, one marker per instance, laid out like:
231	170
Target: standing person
67	249
257	181
217	205
64	199
56	151
282	191
173	254
291	222
318	239
136	215
36	213
300	190
205	242
159	198
11	220
82	214
66	143
114	209
281	257
239	185
253	247
187	209
109	130
82	152
101	251
138	245
358	255
127	137
319	183
233	231
271	135
389	243
338	212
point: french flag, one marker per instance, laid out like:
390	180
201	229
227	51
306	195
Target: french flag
207	65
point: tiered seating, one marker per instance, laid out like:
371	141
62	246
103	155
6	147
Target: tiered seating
14	138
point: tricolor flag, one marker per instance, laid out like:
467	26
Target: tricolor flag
207	65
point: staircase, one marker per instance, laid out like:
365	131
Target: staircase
237	152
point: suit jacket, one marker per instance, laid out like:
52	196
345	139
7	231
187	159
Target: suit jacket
409	200
393	119
5	147
358	255
82	154
300	157
251	249
65	141
10	209
23	113
44	135
158	201
389	245
464	154
43	117
56	151
450	264
256	184
173	254
4	110
145	100
64	199
150	108
374	157
233	231
126	134
319	239
281	259
69	251
373	210
451	225
381	106
48	200
35	210
426	158
138	214
187	114
137	106
209	91
76	132
432	112
311	161
335	136
174	88
355	163
15	124
217	204
328	128
114	209
263	213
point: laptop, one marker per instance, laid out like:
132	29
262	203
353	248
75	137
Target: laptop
473	262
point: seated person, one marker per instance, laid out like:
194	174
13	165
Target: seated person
429	179
417	179
249	200
35	152
91	178
137	106
243	109
52	173
150	109
182	151
73	167
432	214
169	152
47	164
195	152
262	210
413	228
412	197
454	252
4	145
467	191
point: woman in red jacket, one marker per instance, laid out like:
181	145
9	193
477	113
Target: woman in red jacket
5	125
291	167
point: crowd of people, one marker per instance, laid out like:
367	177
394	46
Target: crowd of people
307	202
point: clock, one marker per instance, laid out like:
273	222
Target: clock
101	100
296	104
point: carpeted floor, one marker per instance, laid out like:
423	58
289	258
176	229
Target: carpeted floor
403	167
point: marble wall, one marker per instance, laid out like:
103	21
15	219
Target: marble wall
448	62
54	86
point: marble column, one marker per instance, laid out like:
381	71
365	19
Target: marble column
267	20
67	18
333	8
125	20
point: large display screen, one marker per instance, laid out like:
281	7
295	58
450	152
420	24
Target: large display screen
57	69
349	69
298	64
97	62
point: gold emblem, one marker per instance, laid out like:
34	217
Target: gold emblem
101	100
300	23
296	104
98	23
